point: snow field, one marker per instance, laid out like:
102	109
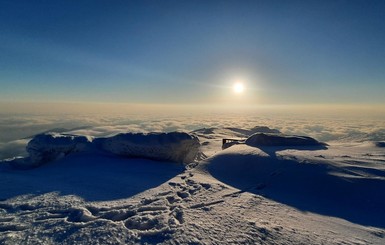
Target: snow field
244	194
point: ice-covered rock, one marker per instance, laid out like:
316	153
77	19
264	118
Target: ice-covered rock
267	139
174	146
51	146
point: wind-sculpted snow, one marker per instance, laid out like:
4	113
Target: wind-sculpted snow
51	146
281	194
340	181
267	139
174	146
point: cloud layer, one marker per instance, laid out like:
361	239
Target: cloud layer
15	131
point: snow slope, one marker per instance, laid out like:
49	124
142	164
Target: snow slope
244	194
94	177
323	181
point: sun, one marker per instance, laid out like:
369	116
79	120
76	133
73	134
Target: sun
238	88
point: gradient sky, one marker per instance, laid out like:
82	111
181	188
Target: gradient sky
190	52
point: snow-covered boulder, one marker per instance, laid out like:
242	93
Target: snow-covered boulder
267	139
174	146
51	146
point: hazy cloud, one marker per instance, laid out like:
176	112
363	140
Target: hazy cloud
15	130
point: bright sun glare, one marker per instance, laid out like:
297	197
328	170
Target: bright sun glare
238	87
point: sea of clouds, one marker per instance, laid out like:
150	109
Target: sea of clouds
16	130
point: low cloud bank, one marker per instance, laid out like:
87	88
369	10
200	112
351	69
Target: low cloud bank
13	148
16	131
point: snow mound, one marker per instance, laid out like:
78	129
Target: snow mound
269	139
52	146
175	146
320	180
214	139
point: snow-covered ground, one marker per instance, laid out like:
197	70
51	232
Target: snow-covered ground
251	193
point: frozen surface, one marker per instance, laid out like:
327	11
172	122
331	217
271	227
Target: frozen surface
269	139
47	147
243	195
323	181
175	147
94	177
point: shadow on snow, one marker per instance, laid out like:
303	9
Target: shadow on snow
318	187
92	177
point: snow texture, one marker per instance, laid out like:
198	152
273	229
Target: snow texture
242	195
174	146
52	146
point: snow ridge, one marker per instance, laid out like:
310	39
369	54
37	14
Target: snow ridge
268	139
175	146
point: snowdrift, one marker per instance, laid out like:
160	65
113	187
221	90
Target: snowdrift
318	180
276	189
175	147
269	139
93	177
47	147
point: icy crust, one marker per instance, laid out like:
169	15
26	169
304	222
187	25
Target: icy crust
338	181
242	195
52	146
175	146
269	139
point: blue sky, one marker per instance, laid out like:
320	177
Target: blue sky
190	52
